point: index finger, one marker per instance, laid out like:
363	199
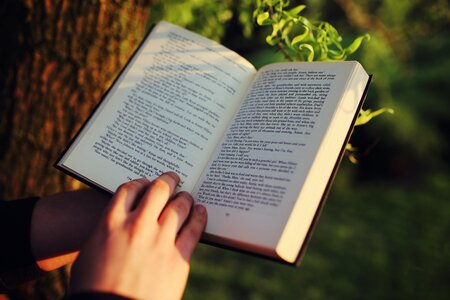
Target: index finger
125	197
156	196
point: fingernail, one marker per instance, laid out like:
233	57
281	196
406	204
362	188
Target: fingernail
185	195
173	175
200	209
142	180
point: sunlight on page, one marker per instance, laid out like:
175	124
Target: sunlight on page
312	193
170	107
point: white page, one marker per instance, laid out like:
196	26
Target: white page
255	177
167	111
311	195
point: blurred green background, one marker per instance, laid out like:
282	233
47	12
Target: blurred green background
384	232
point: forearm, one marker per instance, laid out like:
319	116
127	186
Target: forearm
61	223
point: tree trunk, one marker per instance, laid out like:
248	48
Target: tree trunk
58	58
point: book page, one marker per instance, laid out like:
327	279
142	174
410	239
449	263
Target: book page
256	175
167	111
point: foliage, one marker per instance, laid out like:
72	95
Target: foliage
208	18
299	38
205	17
366	115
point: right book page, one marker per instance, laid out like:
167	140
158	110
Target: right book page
264	184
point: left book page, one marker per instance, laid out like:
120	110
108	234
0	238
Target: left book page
167	110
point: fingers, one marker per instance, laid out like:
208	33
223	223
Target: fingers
191	232
175	214
125	197
156	197
151	208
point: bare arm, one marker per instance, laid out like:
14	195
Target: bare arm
61	223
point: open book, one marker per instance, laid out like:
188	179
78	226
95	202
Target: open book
258	148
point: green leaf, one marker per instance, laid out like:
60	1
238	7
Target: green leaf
310	49
272	2
302	36
281	24
271	40
286	31
323	52
349	147
261	18
276	27
356	44
366	115
305	22
336	55
337	44
321	35
296	10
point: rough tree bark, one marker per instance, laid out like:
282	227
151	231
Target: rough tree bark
57	58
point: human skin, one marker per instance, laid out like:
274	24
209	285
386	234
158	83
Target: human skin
61	223
140	248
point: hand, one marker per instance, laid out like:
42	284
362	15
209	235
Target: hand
142	247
